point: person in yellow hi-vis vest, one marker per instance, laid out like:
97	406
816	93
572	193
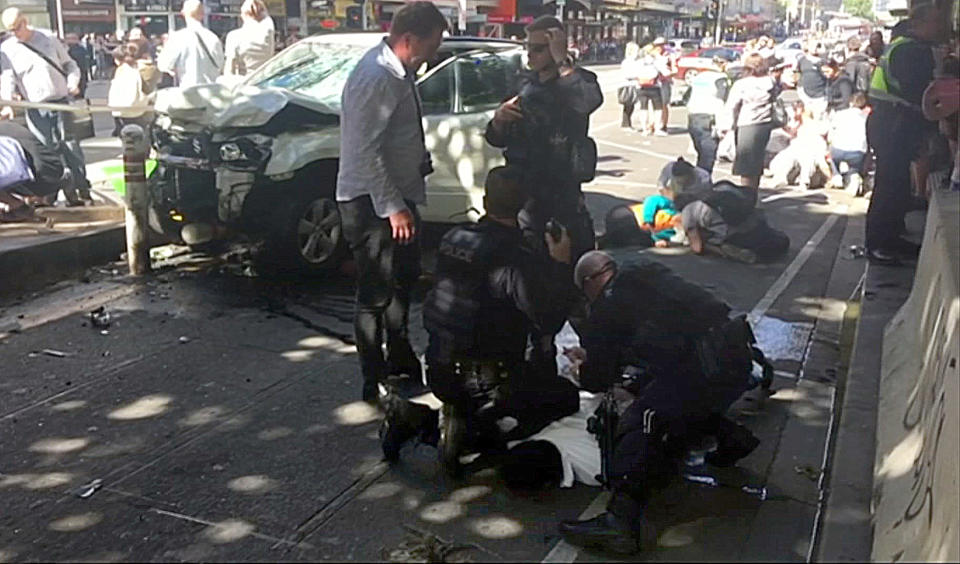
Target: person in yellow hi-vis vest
896	128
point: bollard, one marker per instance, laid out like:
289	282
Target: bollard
136	198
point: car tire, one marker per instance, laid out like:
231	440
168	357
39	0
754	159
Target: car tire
307	235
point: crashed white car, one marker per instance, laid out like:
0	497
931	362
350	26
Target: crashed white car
259	159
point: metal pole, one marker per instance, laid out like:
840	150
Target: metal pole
136	198
60	31
719	27
363	14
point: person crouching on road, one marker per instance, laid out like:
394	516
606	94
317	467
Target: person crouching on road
725	223
380	183
491	292
28	170
644	316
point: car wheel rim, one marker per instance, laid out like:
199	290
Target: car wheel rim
318	231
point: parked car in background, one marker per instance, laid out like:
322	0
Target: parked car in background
789	50
683	46
259	160
702	60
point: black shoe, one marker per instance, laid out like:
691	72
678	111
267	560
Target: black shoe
904	248
883	256
371	393
405	420
453	431
604	531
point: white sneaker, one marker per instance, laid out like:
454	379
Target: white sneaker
660	133
836	181
854	186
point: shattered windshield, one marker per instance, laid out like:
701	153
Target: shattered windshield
317	70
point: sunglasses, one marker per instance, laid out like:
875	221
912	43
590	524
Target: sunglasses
537	47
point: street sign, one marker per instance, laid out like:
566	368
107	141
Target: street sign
561	3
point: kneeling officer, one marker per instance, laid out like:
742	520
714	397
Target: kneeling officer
690	362
491	291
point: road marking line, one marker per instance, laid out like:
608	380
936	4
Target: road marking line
637	150
792	194
566	553
199	521
604	126
787	276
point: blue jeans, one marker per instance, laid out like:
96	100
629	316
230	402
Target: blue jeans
48	127
854	160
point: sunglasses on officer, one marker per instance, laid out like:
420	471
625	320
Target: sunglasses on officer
537	47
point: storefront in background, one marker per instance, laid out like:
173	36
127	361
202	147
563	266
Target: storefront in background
89	16
162	16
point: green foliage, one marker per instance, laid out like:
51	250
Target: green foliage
859	8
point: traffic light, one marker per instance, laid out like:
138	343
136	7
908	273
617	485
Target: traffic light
714	8
354	17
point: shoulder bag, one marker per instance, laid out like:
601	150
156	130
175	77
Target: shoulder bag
76	125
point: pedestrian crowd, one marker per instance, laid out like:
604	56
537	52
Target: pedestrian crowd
35	66
639	393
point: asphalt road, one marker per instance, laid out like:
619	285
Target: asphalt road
216	418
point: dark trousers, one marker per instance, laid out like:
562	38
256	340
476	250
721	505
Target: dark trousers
386	273
854	160
627	120
894	148
700	127
48	127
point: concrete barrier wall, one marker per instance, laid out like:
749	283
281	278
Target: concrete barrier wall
916	499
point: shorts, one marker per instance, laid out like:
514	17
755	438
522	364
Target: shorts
666	91
651	93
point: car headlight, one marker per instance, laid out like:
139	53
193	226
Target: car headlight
230	152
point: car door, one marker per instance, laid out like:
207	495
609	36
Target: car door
461	155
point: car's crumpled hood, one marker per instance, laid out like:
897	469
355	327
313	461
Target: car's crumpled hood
222	106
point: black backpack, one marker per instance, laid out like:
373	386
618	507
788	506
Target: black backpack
731	203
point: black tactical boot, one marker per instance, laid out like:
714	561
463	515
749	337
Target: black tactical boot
405	420
605	532
453	431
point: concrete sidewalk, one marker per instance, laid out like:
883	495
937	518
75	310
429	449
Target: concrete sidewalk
71	239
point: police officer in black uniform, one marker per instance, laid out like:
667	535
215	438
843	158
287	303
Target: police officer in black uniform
491	291
692	361
543	131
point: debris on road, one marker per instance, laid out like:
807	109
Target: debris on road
184	340
50	352
424	546
87	490
812	474
100	318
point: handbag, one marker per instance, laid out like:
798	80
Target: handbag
626	95
583	157
779	116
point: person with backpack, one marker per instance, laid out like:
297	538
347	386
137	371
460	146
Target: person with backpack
649	93
725	222
857	66
36	65
192	55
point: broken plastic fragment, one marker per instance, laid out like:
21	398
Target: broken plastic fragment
87	490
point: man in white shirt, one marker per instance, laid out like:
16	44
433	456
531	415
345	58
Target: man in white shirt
383	162
37	66
193	55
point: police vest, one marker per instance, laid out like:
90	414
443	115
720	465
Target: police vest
455	310
884	85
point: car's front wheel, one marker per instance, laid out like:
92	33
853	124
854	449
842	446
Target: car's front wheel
307	234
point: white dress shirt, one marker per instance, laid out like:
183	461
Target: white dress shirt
249	46
27	73
185	58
